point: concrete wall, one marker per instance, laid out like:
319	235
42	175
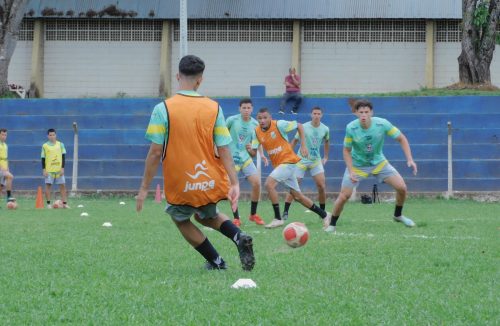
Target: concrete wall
20	65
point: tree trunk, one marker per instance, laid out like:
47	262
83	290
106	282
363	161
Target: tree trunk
11	16
478	44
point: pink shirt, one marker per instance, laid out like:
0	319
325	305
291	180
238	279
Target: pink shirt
293	89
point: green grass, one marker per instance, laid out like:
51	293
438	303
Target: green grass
59	268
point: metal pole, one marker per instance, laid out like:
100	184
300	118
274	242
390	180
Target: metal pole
183	38
74	179
449	193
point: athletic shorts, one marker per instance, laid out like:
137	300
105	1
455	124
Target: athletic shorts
381	171
314	168
248	168
55	178
285	174
181	213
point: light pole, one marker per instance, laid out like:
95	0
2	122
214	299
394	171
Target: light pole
183	39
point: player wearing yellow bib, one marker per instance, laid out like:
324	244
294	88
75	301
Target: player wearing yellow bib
363	143
53	160
5	175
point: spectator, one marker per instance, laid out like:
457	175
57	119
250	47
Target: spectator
292	93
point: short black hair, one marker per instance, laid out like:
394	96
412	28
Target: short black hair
191	65
3	130
264	110
317	108
245	101
362	103
51	130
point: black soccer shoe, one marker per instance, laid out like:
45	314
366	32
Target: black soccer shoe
211	266
245	249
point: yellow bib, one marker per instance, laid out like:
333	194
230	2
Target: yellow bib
53	157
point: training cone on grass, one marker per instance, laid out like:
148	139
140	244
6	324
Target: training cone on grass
158	194
39	198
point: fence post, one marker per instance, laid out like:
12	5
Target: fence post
449	193
74	180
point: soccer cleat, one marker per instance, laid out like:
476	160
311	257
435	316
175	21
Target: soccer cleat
405	220
10	199
237	222
49	206
211	266
274	224
285	216
331	229
66	206
256	218
327	220
245	249
281	111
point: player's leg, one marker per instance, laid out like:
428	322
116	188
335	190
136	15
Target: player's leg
220	222
62	187
318	175
48	191
236	213
181	217
396	181
345	193
270	185
9	177
300	170
253	177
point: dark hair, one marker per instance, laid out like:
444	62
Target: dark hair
264	110
362	103
191	65
245	101
51	130
317	108
3	130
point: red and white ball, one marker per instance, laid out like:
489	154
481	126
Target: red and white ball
58	204
296	234
11	205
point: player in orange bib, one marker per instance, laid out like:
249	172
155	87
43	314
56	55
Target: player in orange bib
272	135
188	133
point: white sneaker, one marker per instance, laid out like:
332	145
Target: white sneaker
405	220
49	206
327	220
274	224
331	229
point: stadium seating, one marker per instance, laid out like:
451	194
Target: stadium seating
112	147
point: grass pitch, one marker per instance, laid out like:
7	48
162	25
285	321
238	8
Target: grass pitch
57	267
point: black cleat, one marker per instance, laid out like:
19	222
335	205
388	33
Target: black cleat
245	249
211	266
284	216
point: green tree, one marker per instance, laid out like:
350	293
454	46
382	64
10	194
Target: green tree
480	19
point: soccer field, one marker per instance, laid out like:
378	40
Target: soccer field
58	267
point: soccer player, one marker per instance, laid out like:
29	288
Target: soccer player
315	133
5	175
363	156
188	133
53	160
241	127
272	135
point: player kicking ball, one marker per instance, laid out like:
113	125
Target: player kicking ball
272	135
363	143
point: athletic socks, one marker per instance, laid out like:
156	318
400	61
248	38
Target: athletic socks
48	202
276	208
231	231
287	207
253	208
236	214
318	210
398	211
322	206
208	251
334	220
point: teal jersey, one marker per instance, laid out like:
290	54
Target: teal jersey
314	138
366	144
157	131
241	134
284	128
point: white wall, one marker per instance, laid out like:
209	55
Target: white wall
101	69
232	67
329	67
20	64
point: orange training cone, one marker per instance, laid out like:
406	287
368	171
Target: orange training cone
158	194
39	198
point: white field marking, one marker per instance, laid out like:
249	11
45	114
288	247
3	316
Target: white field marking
207	228
307	211
419	236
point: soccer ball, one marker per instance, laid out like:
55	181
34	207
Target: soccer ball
58	204
11	205
296	234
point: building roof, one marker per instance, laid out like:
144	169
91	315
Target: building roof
249	9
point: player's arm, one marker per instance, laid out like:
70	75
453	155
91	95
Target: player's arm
254	145
348	162
405	145
302	136
326	151
151	166
44	171
294	141
262	156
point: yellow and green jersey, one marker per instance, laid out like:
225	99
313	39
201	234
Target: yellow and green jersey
314	138
366	144
52	153
4	156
